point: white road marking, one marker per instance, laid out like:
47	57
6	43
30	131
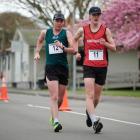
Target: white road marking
77	113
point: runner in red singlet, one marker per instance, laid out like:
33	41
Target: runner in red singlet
97	40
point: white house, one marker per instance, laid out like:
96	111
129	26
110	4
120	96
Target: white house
23	70
123	70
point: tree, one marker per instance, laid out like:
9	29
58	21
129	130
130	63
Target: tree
45	9
123	18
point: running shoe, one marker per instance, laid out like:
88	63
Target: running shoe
88	120
57	127
97	126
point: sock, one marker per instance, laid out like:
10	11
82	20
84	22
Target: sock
56	120
93	118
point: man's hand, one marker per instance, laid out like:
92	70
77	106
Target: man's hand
59	44
37	56
78	56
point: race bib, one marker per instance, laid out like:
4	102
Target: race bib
53	49
95	54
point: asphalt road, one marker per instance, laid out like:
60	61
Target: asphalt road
25	117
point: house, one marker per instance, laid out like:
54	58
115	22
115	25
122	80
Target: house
21	68
123	70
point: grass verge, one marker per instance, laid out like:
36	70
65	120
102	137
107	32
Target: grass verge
128	93
117	92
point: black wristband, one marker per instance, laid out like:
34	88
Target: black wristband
63	48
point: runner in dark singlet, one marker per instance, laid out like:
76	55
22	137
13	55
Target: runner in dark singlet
57	42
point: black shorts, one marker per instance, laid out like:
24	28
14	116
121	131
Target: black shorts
95	72
58	73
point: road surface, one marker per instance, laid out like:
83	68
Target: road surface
25	117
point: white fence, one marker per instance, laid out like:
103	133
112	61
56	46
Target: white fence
116	80
123	80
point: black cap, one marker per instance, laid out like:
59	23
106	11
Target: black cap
59	15
94	10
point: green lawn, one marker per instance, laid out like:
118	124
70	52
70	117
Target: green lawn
130	93
127	92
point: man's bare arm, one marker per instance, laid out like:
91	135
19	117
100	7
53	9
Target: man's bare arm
71	48
79	33
40	40
110	44
77	36
39	44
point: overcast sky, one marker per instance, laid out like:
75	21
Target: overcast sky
14	6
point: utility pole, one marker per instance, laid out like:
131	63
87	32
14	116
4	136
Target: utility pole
35	73
1	29
1	48
74	60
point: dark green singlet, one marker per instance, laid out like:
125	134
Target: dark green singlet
55	55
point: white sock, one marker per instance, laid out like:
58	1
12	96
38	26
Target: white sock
56	120
93	118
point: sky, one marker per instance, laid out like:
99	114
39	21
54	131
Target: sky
16	6
13	6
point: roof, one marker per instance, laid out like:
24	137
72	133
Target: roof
30	35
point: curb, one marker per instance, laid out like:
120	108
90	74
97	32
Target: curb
42	93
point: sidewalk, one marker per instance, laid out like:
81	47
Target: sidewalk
43	92
71	95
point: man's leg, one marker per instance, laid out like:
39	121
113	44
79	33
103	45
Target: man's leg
90	94
53	91
97	95
62	89
89	89
63	82
97	126
99	83
90	110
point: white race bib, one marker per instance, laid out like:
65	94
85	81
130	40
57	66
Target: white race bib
95	54
53	49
